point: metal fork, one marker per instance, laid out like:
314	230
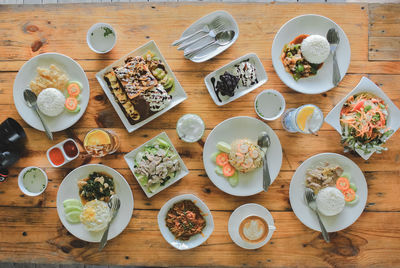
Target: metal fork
333	38
215	23
114	204
212	33
310	199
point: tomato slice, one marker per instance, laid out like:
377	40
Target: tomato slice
359	105
222	159
349	195
228	170
342	184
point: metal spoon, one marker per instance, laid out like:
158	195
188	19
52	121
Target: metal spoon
333	38
114	204
264	142
221	39
30	99
310	198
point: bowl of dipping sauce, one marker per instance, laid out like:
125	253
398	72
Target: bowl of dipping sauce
101	38
62	153
269	104
32	181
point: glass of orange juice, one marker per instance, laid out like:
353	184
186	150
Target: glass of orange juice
306	119
100	142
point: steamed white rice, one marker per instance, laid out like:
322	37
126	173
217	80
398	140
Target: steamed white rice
315	49
330	201
51	102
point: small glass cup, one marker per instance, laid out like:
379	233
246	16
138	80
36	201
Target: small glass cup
306	119
100	142
190	128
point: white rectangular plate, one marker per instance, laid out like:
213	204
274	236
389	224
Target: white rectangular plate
365	85
240	91
178	95
130	160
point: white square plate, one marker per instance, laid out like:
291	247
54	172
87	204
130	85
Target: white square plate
241	90
366	85
178	95
195	240
130	160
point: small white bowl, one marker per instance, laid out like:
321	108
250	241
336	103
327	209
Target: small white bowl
91	43
195	240
273	101
21	183
244	212
60	146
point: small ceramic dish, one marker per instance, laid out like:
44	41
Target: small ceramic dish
101	38
195	240
69	150
229	23
33	183
244	212
366	85
130	160
269	104
241	90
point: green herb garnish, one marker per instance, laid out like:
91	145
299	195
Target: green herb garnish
107	31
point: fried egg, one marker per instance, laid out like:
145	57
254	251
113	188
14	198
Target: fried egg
95	215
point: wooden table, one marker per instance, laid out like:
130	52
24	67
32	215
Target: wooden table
30	230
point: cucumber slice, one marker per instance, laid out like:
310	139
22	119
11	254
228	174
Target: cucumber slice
214	156
69	209
224	147
346	175
353	186
72	202
154	187
353	202
234	180
163	143
218	170
73	216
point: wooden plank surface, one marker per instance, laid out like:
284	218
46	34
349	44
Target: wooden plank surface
33	222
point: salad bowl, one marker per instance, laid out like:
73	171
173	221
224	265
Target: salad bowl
366	85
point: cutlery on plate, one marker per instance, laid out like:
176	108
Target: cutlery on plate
222	38
334	39
310	198
214	24
264	142
30	99
212	33
114	204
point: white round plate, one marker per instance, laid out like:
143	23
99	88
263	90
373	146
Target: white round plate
195	240
69	189
350	213
243	212
28	72
310	24
238	128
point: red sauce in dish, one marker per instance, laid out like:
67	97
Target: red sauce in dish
299	39
56	156
70	149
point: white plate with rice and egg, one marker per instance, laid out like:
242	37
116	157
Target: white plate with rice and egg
69	190
349	214
317	26
66	70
